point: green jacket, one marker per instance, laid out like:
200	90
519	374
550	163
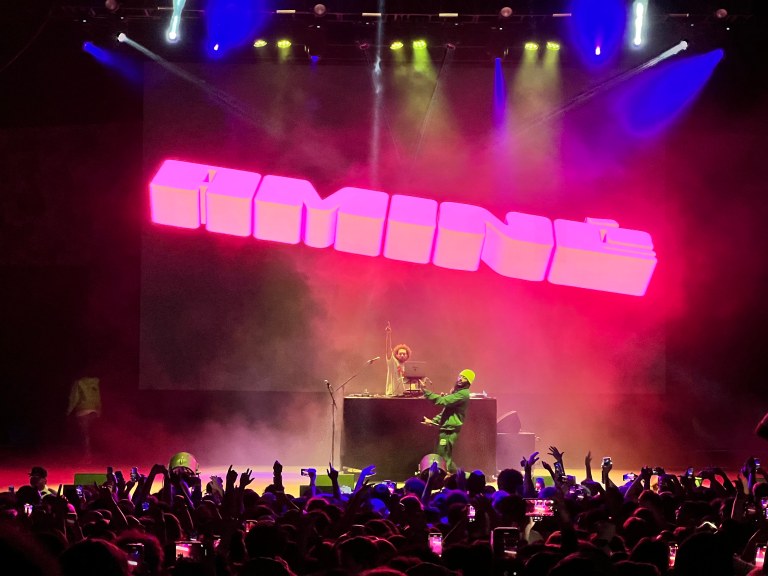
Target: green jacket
454	410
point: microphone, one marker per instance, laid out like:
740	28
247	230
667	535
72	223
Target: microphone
372	360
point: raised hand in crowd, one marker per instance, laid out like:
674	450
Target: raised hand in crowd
605	470
111	478
749	471
641	482
246	479
588	466
558	456
714	484
529	490
215	488
119	486
365	473
277	476
580	516
726	483
311	473
333	474
557	479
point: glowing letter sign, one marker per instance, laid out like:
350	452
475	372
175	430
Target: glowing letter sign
594	254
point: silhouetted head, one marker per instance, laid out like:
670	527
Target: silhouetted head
38	477
94	558
510	480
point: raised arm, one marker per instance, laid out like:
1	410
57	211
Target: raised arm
527	464
364	474
333	474
447	399
588	465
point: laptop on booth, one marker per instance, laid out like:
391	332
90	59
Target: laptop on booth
413	372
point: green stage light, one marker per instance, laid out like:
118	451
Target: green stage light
419	44
553	45
396	45
259	43
283	43
532	46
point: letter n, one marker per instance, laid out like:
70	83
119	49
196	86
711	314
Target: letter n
466	234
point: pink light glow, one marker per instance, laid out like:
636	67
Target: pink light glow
228	201
518	249
411	229
596	254
278	213
175	194
352	219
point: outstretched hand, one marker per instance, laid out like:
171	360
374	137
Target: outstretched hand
528	463
588	460
245	478
231	475
277	468
556	454
368	470
217	485
333	474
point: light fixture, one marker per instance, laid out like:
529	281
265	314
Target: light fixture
319	10
173	32
505	12
638	21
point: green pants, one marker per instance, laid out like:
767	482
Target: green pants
445	444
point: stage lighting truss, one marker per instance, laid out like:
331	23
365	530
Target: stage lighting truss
495	33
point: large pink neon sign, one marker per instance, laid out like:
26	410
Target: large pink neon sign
594	254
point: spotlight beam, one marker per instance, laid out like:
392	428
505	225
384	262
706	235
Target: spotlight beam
380	112
222	97
444	65
260	121
587	95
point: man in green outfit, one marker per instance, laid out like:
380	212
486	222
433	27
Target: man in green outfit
451	418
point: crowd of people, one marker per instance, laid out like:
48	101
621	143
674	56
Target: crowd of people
173	522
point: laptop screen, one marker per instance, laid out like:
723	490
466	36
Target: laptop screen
415	370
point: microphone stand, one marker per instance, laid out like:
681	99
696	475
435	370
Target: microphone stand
331	391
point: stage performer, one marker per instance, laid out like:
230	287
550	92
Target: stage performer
85	407
396	356
451	418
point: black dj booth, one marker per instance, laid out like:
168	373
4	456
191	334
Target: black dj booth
388	432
